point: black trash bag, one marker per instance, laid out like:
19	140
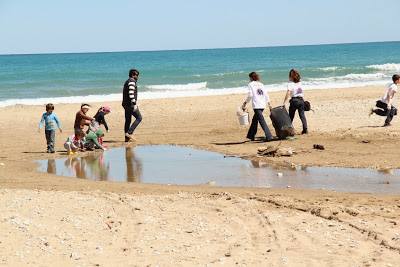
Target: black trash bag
281	122
307	106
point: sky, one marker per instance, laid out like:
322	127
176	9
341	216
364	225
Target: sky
51	26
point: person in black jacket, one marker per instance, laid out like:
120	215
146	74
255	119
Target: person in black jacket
129	102
99	119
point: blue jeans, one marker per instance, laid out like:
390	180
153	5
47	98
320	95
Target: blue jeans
50	138
129	129
258	118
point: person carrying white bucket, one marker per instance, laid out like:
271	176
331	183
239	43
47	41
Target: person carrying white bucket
259	97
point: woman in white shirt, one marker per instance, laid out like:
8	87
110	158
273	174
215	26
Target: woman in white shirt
259	98
296	93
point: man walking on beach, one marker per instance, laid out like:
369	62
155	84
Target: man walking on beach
385	107
129	102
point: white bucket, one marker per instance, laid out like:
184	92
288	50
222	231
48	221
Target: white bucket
244	119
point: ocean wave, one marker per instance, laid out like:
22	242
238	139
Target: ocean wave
118	97
388	66
329	68
190	90
179	87
317	83
228	73
362	76
60	100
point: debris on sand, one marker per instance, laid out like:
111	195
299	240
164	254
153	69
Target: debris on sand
271	151
320	147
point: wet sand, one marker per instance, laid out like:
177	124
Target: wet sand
48	219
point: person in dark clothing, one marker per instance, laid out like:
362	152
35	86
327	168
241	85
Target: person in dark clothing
296	93
99	119
385	107
129	103
259	97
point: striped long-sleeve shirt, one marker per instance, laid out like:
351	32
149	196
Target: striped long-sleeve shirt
129	97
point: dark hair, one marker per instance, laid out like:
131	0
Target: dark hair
294	74
49	107
395	77
133	72
254	76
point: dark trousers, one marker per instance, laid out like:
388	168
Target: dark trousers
128	118
384	111
50	138
258	118
297	103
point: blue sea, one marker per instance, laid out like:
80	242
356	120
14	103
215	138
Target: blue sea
92	77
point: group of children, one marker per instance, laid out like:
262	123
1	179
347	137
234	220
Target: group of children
81	140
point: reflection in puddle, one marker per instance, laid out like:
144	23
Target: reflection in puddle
187	166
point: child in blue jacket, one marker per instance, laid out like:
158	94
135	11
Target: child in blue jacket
50	119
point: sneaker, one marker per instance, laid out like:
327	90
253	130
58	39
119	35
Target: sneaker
129	138
75	152
70	152
387	124
273	138
305	131
48	151
52	151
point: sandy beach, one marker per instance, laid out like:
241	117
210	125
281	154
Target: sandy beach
51	220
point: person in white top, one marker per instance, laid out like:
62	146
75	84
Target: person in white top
259	98
385	105
296	94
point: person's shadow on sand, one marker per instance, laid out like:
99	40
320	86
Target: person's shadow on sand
40	152
258	140
369	126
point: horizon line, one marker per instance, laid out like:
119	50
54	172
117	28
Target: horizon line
192	49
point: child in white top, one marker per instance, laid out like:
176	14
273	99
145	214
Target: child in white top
296	94
74	143
259	98
385	105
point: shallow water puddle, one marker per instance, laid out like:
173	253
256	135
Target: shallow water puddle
188	166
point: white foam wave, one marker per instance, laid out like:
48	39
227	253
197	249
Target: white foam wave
388	66
118	97
60	100
329	68
228	73
179	87
346	81
362	77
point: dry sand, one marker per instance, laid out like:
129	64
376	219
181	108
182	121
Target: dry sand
50	220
